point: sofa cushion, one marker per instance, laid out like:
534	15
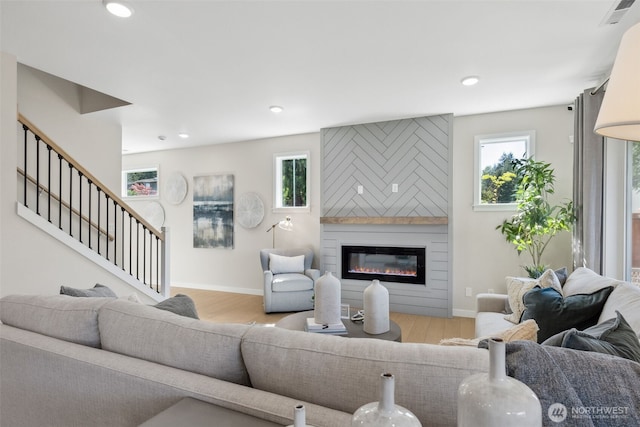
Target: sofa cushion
291	282
279	264
490	323
58	316
427	376
97	291
518	286
585	281
141	331
626	299
180	304
613	336
554	313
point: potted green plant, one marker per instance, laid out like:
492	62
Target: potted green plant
536	221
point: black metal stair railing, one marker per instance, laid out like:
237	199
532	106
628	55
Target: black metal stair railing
85	209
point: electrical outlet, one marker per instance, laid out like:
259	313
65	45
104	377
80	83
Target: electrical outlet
360	189
468	292
394	188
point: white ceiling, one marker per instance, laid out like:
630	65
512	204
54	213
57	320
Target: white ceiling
212	68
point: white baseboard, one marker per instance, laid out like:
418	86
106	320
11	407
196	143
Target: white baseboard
211	287
464	313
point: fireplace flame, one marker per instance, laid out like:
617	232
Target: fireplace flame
386	271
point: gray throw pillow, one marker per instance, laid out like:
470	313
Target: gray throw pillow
97	291
613	336
562	275
554	313
180	304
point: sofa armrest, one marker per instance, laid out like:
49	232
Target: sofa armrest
496	303
313	273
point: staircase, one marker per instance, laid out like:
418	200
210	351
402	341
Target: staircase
63	199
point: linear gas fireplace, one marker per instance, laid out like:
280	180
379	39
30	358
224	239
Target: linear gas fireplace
386	263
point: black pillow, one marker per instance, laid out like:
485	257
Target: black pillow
97	291
180	304
613	336
554	313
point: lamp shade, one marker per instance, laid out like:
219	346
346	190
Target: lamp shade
286	224
619	115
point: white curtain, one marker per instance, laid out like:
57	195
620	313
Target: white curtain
588	183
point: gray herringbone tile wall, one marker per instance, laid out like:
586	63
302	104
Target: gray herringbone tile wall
412	153
415	155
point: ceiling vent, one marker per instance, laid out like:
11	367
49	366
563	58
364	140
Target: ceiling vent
617	11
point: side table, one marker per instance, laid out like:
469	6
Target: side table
297	321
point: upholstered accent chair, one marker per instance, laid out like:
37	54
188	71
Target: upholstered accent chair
288	279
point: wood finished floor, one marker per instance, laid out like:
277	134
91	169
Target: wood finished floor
216	306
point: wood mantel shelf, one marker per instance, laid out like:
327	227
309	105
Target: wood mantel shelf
384	220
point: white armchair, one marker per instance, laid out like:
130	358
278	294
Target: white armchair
289	279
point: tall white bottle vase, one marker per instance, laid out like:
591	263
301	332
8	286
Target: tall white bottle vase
376	309
327	300
495	399
299	417
385	412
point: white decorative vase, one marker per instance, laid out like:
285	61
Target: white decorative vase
384	413
299	417
376	309
495	399
327	300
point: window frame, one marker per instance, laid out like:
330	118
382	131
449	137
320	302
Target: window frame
278	158
529	136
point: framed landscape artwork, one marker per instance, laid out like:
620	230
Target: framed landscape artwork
140	183
213	211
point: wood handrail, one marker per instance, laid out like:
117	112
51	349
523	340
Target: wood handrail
88	175
66	205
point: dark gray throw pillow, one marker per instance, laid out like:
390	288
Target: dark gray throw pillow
97	291
180	304
613	336
562	275
554	313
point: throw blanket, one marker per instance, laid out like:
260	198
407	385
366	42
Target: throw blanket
577	388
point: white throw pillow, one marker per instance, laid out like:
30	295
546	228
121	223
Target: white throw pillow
585	281
626	299
279	264
518	286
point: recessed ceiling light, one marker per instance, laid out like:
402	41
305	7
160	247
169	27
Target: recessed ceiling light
276	109
470	80
118	9
183	135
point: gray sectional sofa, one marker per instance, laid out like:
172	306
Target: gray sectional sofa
68	361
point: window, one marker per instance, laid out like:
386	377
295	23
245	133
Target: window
140	183
494	179
291	189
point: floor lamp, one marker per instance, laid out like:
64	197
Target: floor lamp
285	224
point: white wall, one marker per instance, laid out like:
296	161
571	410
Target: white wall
481	256
251	163
33	262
